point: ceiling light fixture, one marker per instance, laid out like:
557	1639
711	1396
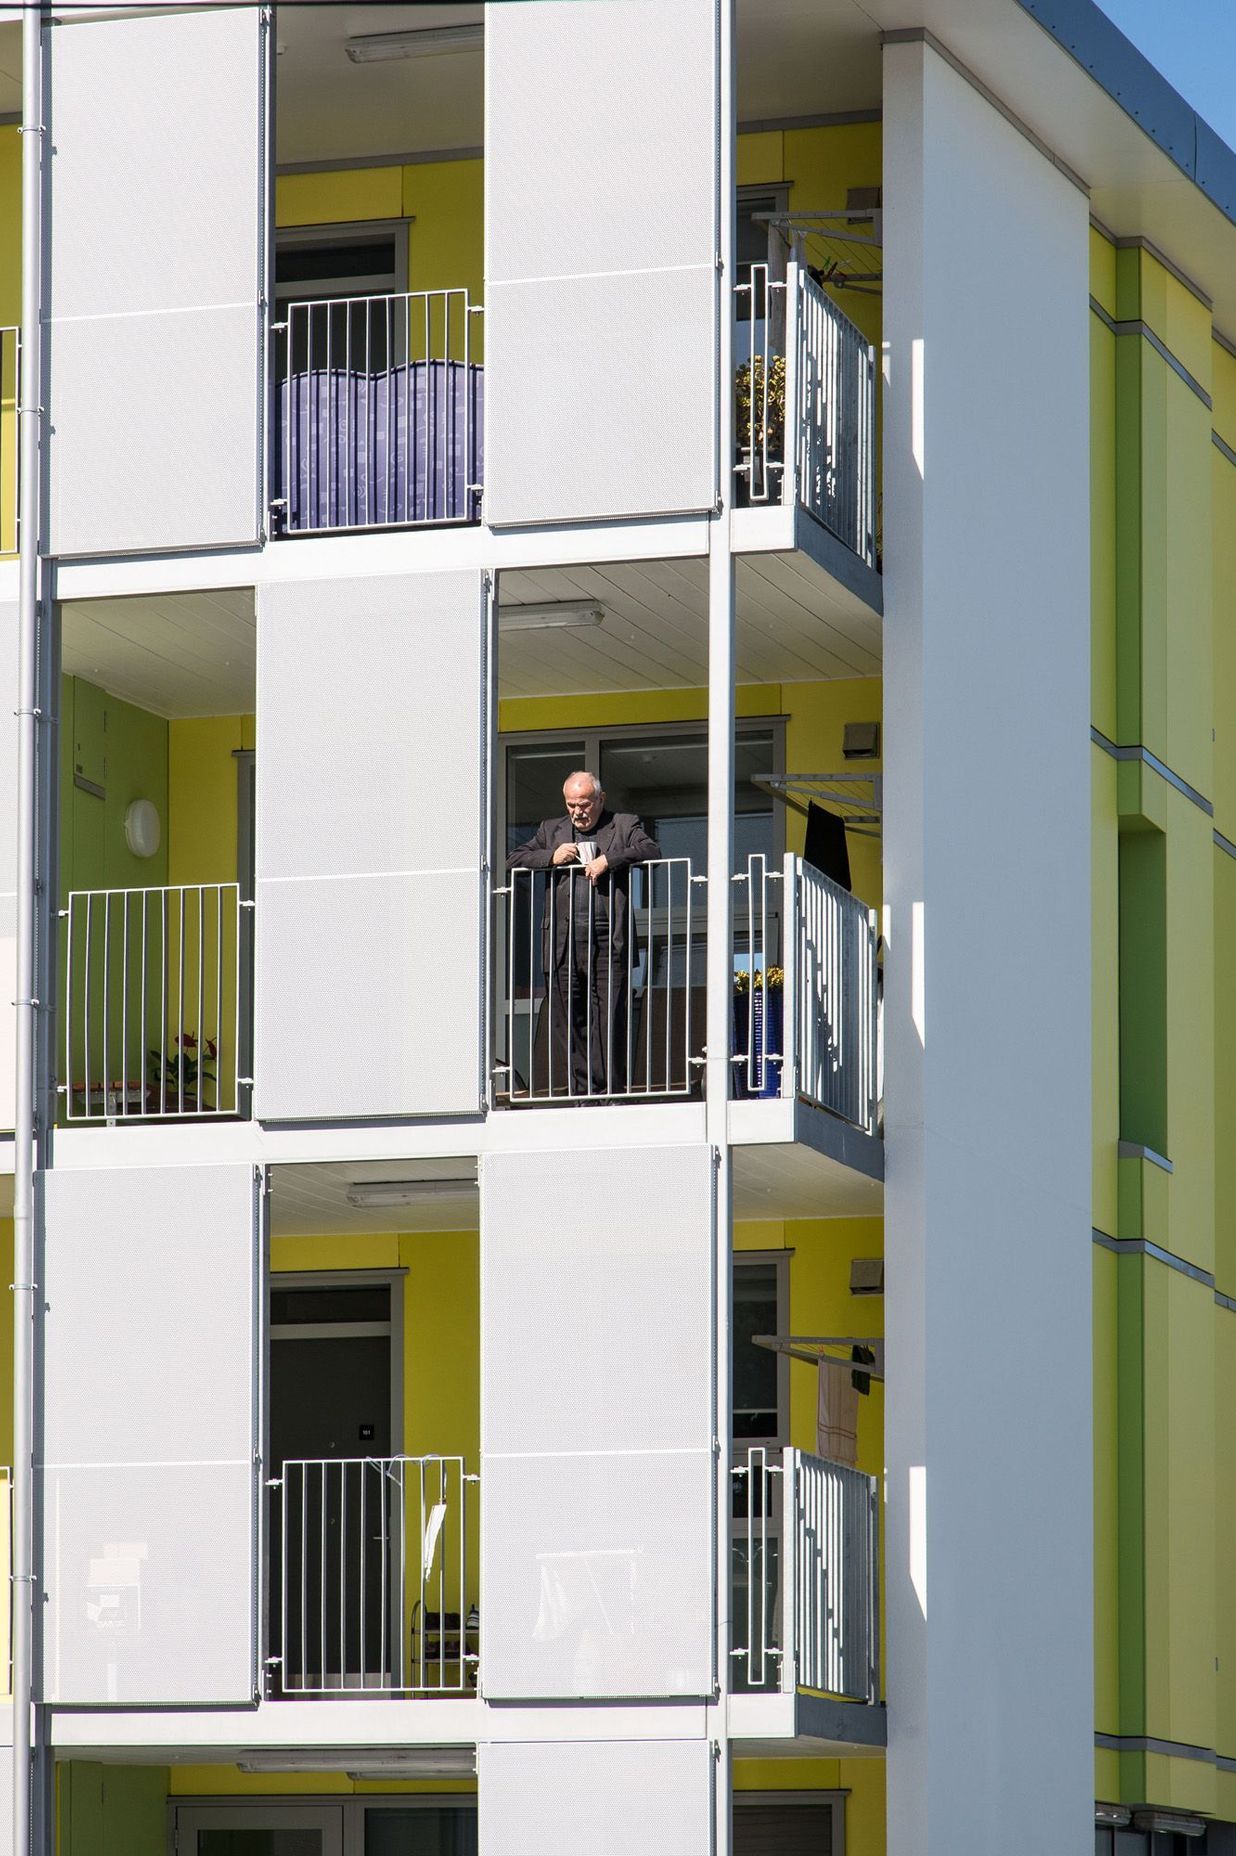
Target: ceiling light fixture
375	1192
424	42
418	1762
560	612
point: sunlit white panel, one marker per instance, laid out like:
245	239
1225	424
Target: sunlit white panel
610	1798
371	829
156	229
150	1436
601	173
597	1423
8	863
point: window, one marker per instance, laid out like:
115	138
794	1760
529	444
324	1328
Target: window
312	262
760	1378
788	1824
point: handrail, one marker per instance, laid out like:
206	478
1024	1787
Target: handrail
602	996
153	1002
379	409
374	1589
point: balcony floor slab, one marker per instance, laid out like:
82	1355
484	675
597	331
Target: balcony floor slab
802	1725
792	1160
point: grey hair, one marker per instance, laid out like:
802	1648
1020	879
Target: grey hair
584	774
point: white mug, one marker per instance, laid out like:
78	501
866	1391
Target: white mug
587	849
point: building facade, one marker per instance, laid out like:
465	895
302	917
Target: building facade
502	1352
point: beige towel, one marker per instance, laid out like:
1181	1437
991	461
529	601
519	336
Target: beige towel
836	1418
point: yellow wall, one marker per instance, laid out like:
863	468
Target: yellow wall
201	778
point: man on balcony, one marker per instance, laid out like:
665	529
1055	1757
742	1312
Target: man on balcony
589	938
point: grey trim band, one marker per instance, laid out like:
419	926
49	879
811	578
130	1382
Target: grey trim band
919	35
1224	341
1170	1749
1135	326
1137	1150
1224	844
345	163
1142	1247
826	119
1226	1301
1135	242
1222	445
1152	761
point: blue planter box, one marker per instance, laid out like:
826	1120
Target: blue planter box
763	1077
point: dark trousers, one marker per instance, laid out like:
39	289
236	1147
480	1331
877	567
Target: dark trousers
586	997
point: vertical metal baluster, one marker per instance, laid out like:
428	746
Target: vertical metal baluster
664	871
323	1469
180	1010
201	1048
401	1606
687	962
68	1015
106	983
364	1535
632	936
384	1523
343	1576
421	1583
609	997
124	1001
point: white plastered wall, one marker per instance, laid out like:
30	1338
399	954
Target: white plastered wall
610	1798
987	1014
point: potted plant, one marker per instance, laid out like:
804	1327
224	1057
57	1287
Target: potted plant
177	1081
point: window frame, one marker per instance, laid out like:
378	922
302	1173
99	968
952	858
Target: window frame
345	232
749	1800
347	1810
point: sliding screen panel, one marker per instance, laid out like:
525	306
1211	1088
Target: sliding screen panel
371	831
597	1375
8	863
609	1797
152	1430
601	140
156	229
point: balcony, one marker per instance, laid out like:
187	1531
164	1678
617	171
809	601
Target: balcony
806	1594
156	1004
379	413
805	431
595	1010
373	1578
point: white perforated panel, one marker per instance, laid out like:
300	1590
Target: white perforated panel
8	863
150	1433
369	892
602	132
610	1798
155	223
597	1523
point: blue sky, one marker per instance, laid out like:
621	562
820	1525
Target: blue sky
1193	43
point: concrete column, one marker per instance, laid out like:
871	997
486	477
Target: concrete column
987	1014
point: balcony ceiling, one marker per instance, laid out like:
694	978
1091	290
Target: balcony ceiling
176	655
312	1201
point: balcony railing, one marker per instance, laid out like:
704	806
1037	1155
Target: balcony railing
806	406
806	991
806	1586
373	1586
154	1002
601	1002
379	412
10	445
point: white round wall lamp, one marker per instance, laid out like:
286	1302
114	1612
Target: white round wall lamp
142	830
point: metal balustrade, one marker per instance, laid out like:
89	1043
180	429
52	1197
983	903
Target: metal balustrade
588	1014
10	440
373	1583
806	1020
379	412
806	406
154	1003
806	1604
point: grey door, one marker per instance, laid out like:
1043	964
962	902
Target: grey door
330	1442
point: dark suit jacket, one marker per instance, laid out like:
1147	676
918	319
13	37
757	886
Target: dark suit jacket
622	840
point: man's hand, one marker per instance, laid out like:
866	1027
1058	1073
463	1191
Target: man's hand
566	854
596	868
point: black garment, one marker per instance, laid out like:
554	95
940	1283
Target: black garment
589	947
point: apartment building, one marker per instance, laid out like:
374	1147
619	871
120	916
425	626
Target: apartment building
499	1362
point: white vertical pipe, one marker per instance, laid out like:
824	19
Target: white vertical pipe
25	1151
720	959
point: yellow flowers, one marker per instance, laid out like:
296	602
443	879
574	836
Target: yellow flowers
772	977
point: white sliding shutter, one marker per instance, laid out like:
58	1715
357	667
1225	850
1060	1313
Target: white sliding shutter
8	863
609	1798
371	831
597	1523
153	1277
156	226
601	140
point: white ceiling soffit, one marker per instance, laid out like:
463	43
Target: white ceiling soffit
312	1200
793	626
330	109
174	654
